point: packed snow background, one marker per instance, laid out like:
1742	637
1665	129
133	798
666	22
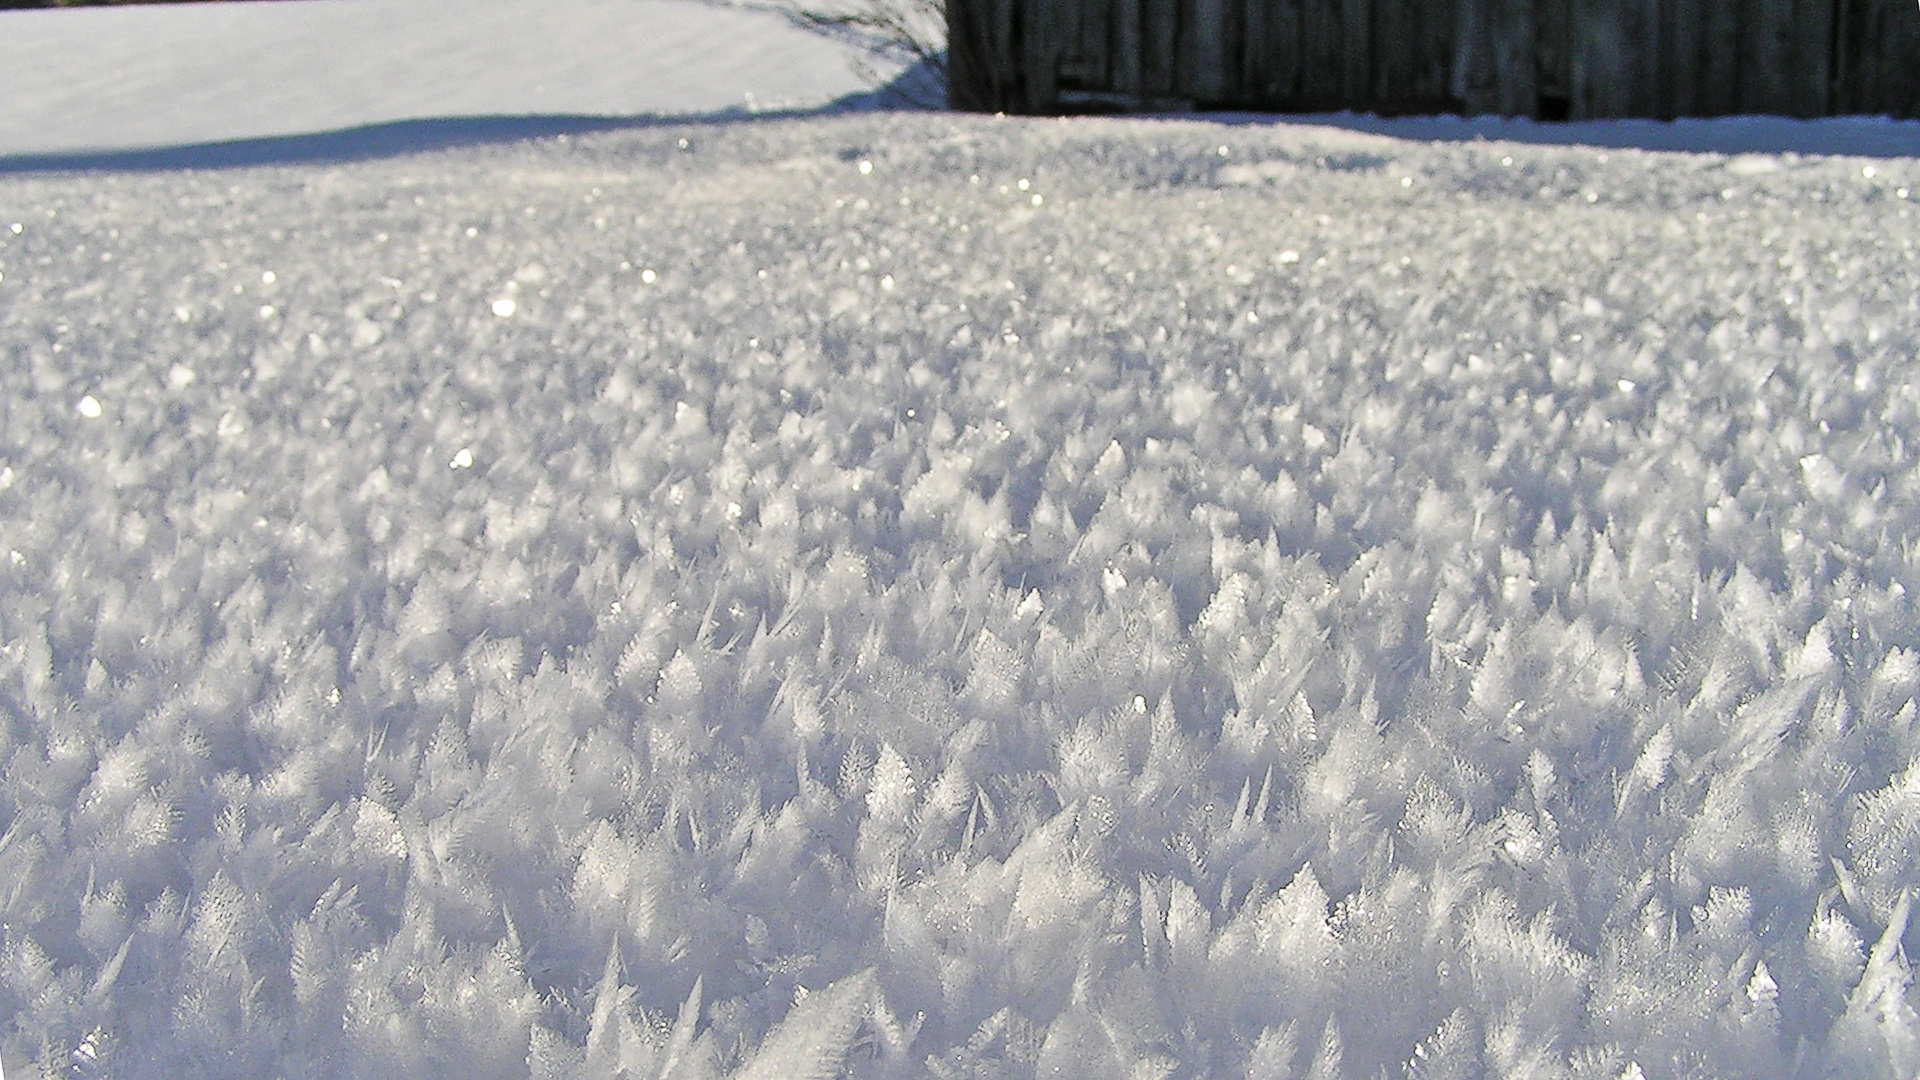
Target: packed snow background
916	595
85	80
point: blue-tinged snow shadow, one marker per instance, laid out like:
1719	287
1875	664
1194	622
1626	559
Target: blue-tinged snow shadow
373	141
917	87
1847	136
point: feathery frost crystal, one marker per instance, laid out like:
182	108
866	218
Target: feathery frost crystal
1320	607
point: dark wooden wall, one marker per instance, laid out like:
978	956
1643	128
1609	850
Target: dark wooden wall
1549	59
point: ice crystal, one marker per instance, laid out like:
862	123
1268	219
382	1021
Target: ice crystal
765	617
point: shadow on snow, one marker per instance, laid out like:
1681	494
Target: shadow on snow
919	87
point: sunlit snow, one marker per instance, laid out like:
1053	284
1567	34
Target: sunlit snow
905	595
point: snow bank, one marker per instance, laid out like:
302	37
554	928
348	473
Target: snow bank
919	595
88	80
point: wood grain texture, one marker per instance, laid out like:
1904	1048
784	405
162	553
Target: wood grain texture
1041	45
1553	44
1203	73
1471	78
1356	54
1389	65
1433	57
1159	34
1124	68
1572	59
1762	48
1810	71
1322	42
1515	62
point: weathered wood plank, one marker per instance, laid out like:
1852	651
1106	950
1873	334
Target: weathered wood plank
1322	45
1472	74
1515	75
1392	63
1209	52
1810	70
1124	68
1763	28
1234	45
1433	57
1356	54
1159	34
1594	65
1553	58
975	66
1038	45
1719	59
1641	27
1205	49
1901	45
1887	76
1253	74
1683	51
1574	58
1289	50
1067	17
1269	48
1840	59
1083	59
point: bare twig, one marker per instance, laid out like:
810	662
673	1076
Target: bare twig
912	32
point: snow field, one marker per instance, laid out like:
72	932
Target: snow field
910	595
127	78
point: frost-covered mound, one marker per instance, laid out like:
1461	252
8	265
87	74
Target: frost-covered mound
929	596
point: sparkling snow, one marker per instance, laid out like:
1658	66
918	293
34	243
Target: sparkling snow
675	602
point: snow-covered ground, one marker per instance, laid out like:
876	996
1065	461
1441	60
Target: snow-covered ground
918	595
129	78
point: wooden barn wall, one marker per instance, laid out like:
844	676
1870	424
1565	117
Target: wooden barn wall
1551	59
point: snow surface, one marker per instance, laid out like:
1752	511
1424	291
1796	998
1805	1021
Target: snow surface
125	78
916	595
962	597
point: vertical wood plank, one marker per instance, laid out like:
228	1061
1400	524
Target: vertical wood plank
1322	69
1290	43
1809	72
1889	65
983	67
1240	89
1631	73
1124	66
1719	59
1660	58
1039	49
1682	48
1067	16
1515	63
960	69
1762	25
1008	20
1553	45
1356	54
1472	71
1216	51
1434	37
1388	37
1159	30
1184	48
1082	59
1259	47
1590	46
1848	59
1646	55
1902	44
